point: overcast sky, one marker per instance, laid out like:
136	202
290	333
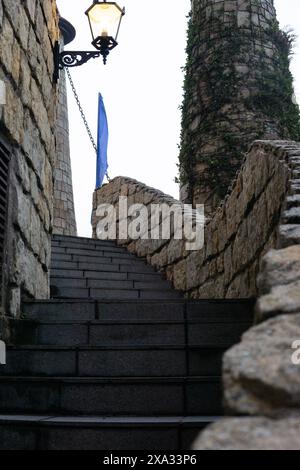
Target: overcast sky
142	90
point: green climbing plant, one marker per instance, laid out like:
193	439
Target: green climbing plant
213	82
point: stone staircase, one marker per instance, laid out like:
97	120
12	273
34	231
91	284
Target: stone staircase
116	360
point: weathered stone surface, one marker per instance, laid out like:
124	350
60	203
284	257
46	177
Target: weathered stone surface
235	239
293	201
291	216
289	235
216	129
282	299
259	375
194	270
279	267
175	250
251	434
27	122
63	189
179	275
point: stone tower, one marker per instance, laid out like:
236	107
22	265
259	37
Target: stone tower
238	88
64	222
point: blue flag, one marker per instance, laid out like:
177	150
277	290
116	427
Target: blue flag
102	144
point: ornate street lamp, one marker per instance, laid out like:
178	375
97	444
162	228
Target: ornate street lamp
105	21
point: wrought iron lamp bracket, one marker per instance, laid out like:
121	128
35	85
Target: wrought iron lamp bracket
64	59
71	59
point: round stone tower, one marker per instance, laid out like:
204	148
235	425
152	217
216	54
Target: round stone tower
64	222
238	88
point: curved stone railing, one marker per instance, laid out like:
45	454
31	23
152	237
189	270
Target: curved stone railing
238	236
262	374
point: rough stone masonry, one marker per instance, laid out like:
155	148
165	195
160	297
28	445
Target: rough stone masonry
32	131
235	238
238	88
261	375
28	30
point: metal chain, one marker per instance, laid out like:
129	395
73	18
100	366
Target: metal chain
83	115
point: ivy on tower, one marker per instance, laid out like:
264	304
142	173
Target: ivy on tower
238	88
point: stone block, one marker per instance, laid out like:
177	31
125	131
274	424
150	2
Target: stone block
281	299
279	268
31	6
179	275
194	268
259	375
1	14
250	434
289	235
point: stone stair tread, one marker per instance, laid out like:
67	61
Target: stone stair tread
95	264
175	309
134	268
118	396
102	275
127	347
105	420
52	432
112	293
114	360
109	284
61	322
94	253
119	258
116	333
110	322
95	249
65	239
111	380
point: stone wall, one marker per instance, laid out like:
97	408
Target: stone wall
238	88
262	373
28	30
242	230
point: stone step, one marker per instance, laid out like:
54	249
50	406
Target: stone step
145	277
122	266
134	268
108	334
200	311
123	333
97	262
107	251
118	396
57	310
75	239
293	201
109	284
89	255
46	432
68	247
113	294
104	275
156	361
71	240
291	216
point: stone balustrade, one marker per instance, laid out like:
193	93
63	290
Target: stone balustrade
262	374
